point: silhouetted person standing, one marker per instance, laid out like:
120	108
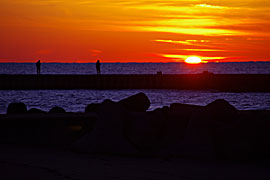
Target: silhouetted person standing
38	67
98	67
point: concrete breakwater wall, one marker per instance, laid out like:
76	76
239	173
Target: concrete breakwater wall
205	81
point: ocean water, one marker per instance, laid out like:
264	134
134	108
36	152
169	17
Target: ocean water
77	100
137	68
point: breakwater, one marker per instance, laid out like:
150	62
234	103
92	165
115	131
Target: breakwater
204	81
216	131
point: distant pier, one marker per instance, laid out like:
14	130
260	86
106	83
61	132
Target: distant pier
204	81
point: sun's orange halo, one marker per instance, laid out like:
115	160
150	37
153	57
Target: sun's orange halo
193	60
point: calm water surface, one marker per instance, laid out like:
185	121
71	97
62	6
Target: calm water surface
136	68
77	100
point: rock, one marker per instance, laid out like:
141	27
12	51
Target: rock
92	107
236	140
198	140
259	128
221	110
210	131
249	140
145	130
107	136
136	103
57	109
178	108
16	108
224	127
177	119
165	110
179	116
36	111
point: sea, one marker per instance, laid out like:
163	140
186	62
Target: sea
77	100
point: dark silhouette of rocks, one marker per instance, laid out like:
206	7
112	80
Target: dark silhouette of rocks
107	136
145	130
92	107
165	109
209	131
261	133
16	108
221	110
57	109
221	118
136	103
177	119
184	108
36	111
252	136
217	131
50	129
95	107
179	116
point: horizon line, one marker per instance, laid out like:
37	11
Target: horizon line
132	62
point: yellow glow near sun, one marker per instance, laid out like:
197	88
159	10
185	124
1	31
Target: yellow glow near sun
193	60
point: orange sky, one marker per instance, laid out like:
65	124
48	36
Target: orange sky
134	30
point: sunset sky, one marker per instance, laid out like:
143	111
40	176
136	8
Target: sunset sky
134	30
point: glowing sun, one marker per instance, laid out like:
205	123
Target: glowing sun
193	60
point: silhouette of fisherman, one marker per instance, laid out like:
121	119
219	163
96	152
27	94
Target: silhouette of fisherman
38	67
98	67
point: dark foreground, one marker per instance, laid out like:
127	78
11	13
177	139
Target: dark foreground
122	140
204	81
35	163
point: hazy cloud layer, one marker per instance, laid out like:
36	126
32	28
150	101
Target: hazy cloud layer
215	20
